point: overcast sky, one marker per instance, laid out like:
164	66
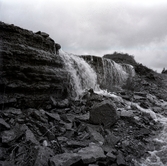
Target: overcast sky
97	27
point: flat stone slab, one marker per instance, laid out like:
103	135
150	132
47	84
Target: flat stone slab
65	159
91	154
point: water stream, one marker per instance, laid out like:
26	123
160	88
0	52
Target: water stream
158	156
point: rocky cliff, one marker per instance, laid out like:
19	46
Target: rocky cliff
31	71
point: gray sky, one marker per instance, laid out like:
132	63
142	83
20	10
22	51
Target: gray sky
97	27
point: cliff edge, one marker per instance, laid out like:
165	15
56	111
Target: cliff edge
31	69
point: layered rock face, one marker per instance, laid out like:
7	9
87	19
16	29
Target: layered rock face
31	71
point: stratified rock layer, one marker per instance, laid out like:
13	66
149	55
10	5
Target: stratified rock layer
31	71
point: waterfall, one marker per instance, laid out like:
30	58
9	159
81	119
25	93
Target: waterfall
90	72
114	74
81	75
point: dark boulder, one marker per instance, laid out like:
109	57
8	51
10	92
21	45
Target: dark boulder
104	113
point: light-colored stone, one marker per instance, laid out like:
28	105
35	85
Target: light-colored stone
95	135
65	159
91	154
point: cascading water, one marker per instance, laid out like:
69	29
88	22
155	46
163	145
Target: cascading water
81	75
158	157
114	74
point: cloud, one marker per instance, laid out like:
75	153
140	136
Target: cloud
97	27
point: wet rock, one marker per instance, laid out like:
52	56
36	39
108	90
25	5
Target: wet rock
104	113
91	154
65	159
4	125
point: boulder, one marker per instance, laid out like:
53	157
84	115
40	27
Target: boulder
104	113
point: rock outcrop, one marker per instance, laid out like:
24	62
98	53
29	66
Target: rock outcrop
31	71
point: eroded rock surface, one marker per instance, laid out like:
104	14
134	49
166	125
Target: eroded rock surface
30	71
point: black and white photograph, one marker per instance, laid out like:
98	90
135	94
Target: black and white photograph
83	83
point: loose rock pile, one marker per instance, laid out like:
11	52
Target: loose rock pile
70	133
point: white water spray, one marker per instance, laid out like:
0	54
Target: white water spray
81	75
158	157
114	74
